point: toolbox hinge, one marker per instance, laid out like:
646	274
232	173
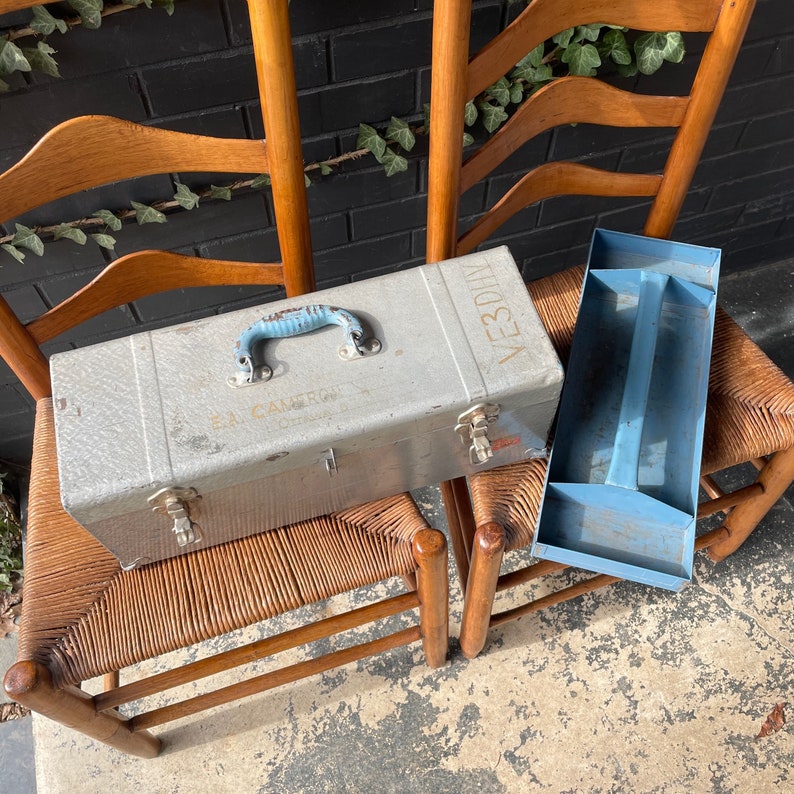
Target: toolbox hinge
472	428
181	505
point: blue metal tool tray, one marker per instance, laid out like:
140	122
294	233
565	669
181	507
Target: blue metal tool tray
621	494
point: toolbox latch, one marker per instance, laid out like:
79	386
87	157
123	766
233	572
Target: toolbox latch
472	428
181	505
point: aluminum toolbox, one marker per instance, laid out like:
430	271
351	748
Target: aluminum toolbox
159	455
621	495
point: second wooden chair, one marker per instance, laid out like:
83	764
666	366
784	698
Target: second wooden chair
750	416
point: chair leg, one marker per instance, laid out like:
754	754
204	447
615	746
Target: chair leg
432	582
460	520
31	685
775	477
486	562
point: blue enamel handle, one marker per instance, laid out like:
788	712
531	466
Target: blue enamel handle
294	322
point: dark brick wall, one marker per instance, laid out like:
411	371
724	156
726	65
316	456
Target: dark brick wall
359	61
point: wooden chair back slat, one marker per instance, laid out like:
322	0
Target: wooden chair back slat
56	166
556	179
7	6
543	19
146	273
571	100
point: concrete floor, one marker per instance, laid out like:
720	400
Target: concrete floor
629	689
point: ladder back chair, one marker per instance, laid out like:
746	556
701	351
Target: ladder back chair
85	618
750	415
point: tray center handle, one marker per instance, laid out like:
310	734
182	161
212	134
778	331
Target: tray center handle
626	453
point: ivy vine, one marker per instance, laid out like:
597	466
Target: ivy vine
581	50
104	221
10	545
88	14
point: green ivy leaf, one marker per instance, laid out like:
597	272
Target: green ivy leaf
4	86
492	116
582	59
89	11
628	70
532	74
41	59
109	219
393	163
500	92
588	32
674	50
563	39
223	193
63	231
105	240
544	73
258	182
468	139
12	59
326	169
649	49
614	46
15	252
516	94
306	180
399	131
146	214
369	139
426	111
535	57
470	114
25	237
44	22
185	197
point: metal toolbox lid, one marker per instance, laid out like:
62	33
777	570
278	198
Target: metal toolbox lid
154	409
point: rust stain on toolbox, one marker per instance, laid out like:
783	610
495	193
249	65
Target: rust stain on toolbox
451	372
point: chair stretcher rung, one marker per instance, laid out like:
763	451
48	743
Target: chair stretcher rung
728	500
276	678
709	485
542	568
708	538
254	651
594	583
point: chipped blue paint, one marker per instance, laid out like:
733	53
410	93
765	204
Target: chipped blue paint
294	322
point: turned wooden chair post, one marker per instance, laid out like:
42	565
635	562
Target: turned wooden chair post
31	685
432	585
279	100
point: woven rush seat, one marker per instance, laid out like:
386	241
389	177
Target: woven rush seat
84	627
750	411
